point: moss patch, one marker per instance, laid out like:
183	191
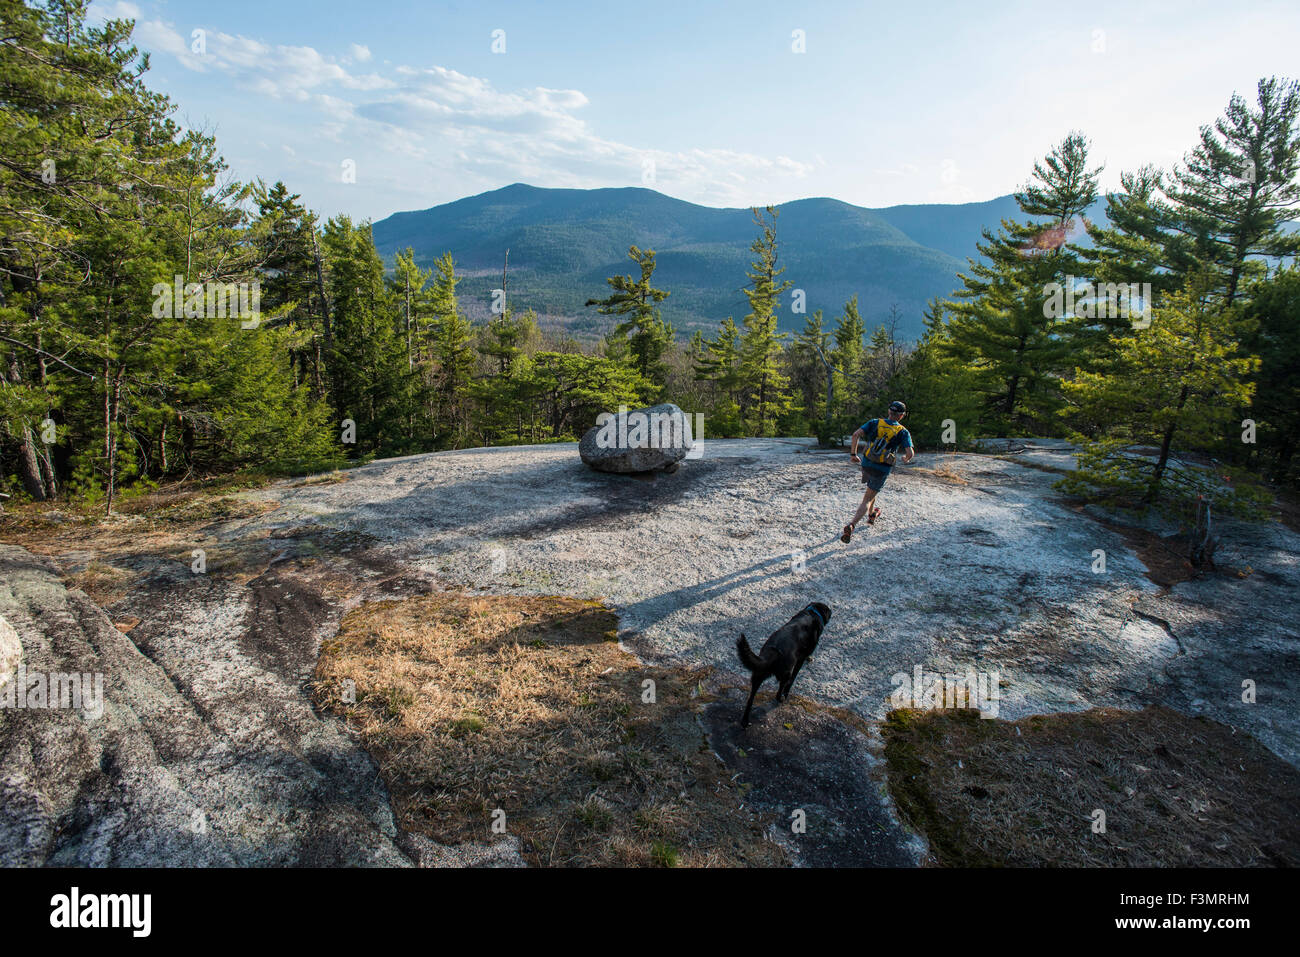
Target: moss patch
1176	791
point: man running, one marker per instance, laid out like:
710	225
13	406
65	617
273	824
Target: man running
886	436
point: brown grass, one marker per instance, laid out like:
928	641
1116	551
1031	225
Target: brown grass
527	704
105	556
947	472
1177	791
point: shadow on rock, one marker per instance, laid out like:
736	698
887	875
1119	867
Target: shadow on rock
796	756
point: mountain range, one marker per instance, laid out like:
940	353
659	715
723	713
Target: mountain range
563	244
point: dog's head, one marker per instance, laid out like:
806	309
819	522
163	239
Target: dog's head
823	610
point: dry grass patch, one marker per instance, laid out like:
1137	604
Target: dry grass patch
1177	791
946	472
103	583
527	704
107	556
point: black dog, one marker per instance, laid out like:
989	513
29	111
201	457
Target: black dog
784	652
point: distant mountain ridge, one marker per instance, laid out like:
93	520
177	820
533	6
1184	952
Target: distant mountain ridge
564	243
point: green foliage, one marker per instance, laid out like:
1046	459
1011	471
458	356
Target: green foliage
1001	324
1272	332
1181	375
636	302
764	395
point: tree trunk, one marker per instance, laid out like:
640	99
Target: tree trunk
110	443
410	360
1158	475
48	480
28	468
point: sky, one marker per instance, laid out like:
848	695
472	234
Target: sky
369	108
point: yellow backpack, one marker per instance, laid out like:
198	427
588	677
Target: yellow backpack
881	450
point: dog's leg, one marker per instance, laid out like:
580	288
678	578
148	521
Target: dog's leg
753	690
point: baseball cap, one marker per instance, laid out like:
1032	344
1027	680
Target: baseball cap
897	406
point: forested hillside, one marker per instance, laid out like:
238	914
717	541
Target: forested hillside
562	242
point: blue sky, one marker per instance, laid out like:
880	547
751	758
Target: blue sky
889	103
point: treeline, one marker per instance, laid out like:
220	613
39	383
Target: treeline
159	320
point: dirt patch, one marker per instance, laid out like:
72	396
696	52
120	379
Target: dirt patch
478	706
1176	791
1164	556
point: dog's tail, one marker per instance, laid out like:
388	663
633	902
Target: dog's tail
747	656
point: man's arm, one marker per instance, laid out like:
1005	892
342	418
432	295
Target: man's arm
908	451
853	445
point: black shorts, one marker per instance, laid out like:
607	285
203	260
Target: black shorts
874	478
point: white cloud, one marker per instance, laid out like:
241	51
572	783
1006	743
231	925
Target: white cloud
463	127
535	136
280	71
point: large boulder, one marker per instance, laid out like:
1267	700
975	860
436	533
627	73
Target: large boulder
640	440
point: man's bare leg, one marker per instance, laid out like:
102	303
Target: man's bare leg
867	499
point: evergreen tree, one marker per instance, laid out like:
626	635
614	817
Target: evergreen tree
1001	323
721	366
1237	186
637	301
452	351
810	374
1272	332
1182	376
765	396
372	382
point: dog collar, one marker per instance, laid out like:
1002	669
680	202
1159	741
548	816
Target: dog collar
817	613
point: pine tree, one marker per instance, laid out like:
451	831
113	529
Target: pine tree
372	382
408	288
1272	332
1223	210
765	396
720	365
637	301
939	389
849	332
1001	323
811	375
1182	376
452	351
1234	192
